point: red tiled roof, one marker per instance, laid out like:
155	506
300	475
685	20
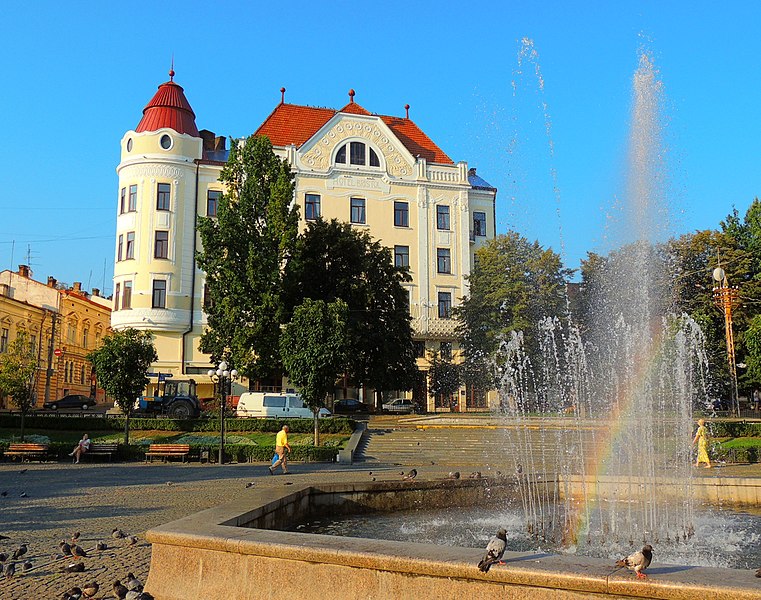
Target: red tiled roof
294	124
169	108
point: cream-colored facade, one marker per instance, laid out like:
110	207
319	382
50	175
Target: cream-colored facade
433	216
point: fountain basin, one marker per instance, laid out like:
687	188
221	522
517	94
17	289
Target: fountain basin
233	552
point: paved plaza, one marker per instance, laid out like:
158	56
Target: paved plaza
94	498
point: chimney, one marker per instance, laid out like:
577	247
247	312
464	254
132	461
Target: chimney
52	281
220	142
208	139
77	287
472	172
23	271
96	292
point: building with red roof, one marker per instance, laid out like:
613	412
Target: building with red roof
380	173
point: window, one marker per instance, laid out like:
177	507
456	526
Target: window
445	305
163	192
442	217
479	224
445	350
123	201
358	210
4	340
401	214
85	335
443	260
130	251
159	293
207	303
402	256
132	198
117	294
33	343
212	202
82	374
161	245
71	332
419	348
120	247
407	299
312	207
127	296
358	155
274	401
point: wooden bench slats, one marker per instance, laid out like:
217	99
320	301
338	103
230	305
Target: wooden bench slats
103	449
26	450
167	450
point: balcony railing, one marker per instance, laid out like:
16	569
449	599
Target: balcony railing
427	323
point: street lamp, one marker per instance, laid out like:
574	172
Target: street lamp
726	298
223	376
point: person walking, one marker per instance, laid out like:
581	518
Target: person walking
82	446
282	447
701	439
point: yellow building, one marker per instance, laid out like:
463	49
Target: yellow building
63	325
380	173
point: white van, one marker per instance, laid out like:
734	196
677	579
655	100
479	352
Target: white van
275	406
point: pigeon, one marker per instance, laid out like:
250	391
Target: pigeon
73	594
10	570
2	568
27	566
65	548
77	567
758	573
135	595
101	545
74	537
249	484
170	483
453	475
119	590
475	475
19	552
410	476
132	540
117	533
90	589
22	471
133	583
3	557
639	561
494	551
78	551
23	495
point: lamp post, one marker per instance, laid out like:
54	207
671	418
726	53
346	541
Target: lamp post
223	376
726	298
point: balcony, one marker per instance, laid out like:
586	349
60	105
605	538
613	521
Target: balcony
426	323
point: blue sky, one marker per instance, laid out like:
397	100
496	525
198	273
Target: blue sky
77	75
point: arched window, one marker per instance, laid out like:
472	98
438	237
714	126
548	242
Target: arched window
358	154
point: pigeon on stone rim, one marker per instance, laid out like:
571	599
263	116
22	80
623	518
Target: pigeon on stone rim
494	551
638	561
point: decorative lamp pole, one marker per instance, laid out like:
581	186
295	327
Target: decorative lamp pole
224	377
726	298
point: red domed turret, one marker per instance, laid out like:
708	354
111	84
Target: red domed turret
169	108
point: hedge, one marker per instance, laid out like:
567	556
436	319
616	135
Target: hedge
233	452
734	429
69	423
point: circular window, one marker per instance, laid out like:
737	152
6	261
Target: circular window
166	142
129	145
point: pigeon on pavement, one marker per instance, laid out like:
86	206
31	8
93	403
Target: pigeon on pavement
73	594
19	552
65	548
758	573
494	551
90	589
78	551
453	475
131	540
77	567
410	476
117	533
638	561
27	566
3	557
10	570
133	583
120	591
101	545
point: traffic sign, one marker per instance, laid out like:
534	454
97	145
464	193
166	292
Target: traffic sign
58	352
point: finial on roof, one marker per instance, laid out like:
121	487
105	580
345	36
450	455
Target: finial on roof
351	95
407	110
282	95
171	70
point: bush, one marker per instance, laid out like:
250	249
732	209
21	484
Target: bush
734	429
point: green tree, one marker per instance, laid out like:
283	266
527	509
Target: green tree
335	261
513	285
313	349
444	377
18	366
121	365
245	250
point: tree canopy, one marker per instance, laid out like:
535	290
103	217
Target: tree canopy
245	250
18	366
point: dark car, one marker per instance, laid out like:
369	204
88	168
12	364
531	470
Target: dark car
350	405
71	401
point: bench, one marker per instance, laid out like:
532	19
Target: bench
102	449
167	450
28	451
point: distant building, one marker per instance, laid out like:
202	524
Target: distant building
63	325
380	173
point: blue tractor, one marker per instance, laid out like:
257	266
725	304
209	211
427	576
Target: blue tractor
176	399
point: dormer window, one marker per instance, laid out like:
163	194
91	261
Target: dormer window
360	154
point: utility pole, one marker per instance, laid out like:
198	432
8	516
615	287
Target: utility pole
726	298
49	372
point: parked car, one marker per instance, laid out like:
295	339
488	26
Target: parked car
400	405
71	401
275	406
350	405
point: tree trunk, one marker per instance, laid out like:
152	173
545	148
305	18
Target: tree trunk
316	427
126	429
23	414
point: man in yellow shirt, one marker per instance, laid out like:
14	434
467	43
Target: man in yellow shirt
281	447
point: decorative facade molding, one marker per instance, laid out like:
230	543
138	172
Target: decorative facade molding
155	170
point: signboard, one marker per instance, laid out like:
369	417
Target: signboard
58	352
